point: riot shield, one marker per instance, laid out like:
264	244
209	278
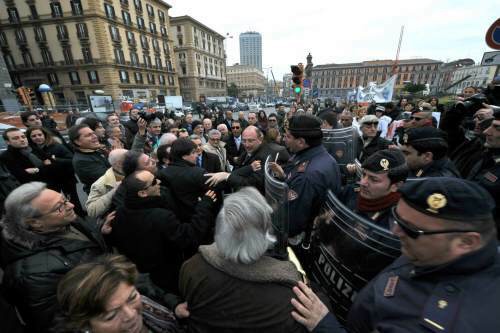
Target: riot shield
348	251
341	144
277	198
359	169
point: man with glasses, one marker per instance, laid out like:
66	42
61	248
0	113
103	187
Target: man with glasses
370	141
421	118
425	150
42	239
216	146
448	277
152	236
234	147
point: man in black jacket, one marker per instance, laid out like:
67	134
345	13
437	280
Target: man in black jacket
234	147
131	127
42	239
144	219
205	160
88	162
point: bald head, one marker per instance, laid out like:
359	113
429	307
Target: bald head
116	157
252	139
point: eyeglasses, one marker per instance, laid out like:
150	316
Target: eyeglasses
153	183
414	233
235	127
58	208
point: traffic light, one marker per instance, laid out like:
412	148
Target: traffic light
297	79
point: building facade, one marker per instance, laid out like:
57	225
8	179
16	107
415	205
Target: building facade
251	49
445	74
121	47
336	80
475	76
287	86
200	58
250	81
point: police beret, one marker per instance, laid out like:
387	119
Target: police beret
423	135
305	126
386	160
448	198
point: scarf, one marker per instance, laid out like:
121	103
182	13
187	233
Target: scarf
376	205
28	152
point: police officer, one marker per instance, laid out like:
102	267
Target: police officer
425	151
377	192
486	172
448	277
309	175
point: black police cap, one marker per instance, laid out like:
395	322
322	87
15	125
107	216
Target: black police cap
423	135
385	160
305	126
448	198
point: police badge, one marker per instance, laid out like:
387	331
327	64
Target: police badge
436	201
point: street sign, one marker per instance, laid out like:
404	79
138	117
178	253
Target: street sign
491	58
307	83
493	35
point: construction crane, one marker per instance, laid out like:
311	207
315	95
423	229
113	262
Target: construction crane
275	88
396	61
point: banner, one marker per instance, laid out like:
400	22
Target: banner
379	93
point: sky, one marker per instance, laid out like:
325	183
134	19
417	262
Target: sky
347	31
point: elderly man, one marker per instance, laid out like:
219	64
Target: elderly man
102	191
228	119
242	120
231	285
88	162
346	118
448	277
147	140
150	234
370	141
207	126
224	131
216	147
42	239
256	152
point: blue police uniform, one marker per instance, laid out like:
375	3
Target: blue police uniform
311	173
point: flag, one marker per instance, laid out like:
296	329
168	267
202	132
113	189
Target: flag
379	93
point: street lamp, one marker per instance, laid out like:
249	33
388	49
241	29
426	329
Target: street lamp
228	35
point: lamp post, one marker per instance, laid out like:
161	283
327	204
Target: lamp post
228	35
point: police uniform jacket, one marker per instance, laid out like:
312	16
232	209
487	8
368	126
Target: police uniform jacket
309	175
443	167
462	296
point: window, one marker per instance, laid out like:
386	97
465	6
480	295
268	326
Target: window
161	79
3	39
138	77
55	9
152	27
53	80
124	77
76	7
33	12
115	33
82	31
158	62
166	49
124	2
110	11
147	60
171	81
163	31
156	45
20	36
74	77
134	58
144	42
9	61
68	55
119	57
126	17
140	23
28	60
39	34
179	28
13	15
151	11
130	38
62	32
93	76
183	69
161	16
151	78
46	56
87	55
179	40
138	5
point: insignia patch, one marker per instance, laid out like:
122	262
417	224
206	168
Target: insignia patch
302	167
442	304
384	164
419	173
390	287
292	195
436	201
491	177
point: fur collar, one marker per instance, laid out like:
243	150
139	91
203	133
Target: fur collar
265	270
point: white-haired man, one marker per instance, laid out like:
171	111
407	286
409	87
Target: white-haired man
216	146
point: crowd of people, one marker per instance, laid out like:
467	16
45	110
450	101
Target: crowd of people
160	224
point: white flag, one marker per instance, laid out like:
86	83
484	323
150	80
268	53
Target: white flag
381	93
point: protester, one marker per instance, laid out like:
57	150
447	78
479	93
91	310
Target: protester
131	126
273	140
217	147
147	138
370	141
329	120
232	285
115	139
